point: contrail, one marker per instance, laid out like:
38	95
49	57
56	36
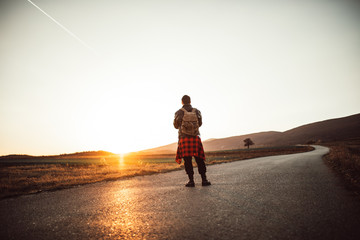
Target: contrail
63	27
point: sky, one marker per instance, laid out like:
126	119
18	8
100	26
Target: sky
109	75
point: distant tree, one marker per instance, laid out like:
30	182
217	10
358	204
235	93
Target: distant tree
311	142
248	142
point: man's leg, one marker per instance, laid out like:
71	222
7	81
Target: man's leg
202	171
189	171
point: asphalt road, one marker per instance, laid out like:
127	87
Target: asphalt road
282	197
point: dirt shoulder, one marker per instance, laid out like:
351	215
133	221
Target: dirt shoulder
344	160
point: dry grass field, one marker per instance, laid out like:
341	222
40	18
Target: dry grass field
243	154
34	178
22	178
344	158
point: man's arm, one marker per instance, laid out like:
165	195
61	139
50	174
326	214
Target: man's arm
198	113
178	118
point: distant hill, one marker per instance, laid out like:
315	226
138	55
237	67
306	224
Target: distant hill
324	131
170	148
237	142
88	154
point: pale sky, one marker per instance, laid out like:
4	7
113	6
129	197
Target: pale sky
112	75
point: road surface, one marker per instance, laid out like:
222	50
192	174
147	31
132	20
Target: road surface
281	197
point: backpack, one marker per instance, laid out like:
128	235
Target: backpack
190	124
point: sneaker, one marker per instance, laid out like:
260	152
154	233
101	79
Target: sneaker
206	183
190	184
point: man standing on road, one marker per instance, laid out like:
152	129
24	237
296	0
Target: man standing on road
188	120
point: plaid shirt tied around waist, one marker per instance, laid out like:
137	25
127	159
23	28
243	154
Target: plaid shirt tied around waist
188	147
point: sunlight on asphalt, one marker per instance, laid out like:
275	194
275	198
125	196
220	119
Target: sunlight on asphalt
121	220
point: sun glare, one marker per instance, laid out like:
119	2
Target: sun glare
121	160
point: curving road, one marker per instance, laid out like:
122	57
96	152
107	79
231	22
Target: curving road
282	197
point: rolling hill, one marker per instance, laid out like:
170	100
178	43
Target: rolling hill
324	131
77	155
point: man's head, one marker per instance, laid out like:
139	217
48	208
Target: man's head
185	100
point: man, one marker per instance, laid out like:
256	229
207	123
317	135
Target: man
188	120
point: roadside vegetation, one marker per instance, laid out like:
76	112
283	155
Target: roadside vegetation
33	178
25	176
344	159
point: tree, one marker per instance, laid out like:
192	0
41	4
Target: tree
248	142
